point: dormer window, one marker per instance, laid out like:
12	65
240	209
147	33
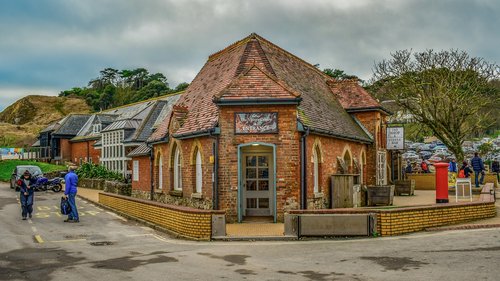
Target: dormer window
97	128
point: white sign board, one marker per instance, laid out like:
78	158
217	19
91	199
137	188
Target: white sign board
395	138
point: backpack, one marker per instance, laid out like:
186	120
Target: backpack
65	207
461	173
424	166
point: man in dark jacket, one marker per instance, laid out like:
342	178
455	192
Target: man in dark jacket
27	194
70	192
495	168
478	167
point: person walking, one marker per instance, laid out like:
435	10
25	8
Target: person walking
495	168
478	167
452	168
27	194
466	170
70	191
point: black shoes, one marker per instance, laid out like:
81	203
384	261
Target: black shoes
24	218
30	216
71	220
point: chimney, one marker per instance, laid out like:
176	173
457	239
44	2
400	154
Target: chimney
180	113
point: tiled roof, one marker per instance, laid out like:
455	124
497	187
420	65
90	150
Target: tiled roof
351	95
156	116
72	124
141	150
215	75
274	73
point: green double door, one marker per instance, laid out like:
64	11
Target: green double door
257	175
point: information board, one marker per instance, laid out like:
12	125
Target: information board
395	138
256	123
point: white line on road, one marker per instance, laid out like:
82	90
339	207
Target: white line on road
34	229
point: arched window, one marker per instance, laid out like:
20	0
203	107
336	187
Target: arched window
177	169
316	169
348	161
199	173
160	172
362	167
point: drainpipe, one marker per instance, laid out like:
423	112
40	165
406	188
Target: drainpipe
151	174
215	179
303	169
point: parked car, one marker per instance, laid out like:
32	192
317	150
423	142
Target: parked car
19	171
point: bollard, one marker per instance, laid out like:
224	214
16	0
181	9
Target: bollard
441	182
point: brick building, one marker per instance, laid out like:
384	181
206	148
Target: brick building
83	148
259	131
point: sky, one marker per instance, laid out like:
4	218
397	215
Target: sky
47	46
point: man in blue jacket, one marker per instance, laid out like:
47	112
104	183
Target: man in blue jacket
70	192
478	167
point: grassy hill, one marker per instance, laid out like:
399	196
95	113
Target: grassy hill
21	121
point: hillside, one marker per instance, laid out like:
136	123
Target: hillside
21	121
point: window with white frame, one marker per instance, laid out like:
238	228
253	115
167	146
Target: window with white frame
316	169
199	172
160	173
135	170
177	169
113	156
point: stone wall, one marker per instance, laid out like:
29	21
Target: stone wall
107	186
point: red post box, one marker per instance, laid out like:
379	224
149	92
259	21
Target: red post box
441	182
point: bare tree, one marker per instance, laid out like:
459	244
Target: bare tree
447	91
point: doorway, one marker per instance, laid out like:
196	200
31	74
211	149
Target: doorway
257	182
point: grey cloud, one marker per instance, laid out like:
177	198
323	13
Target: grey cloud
60	43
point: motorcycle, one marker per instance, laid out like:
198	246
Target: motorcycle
44	184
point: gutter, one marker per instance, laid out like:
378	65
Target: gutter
206	132
254	101
303	169
371	108
151	174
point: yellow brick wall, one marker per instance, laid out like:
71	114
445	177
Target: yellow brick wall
194	225
416	219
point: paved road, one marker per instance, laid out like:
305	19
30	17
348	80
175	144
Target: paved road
106	247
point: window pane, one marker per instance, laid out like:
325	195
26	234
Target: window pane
263	185
251	161
263	203
251	173
263	173
263	161
252	203
251	185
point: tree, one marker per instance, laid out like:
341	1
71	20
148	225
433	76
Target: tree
340	74
181	87
447	91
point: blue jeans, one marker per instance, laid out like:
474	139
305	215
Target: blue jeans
476	178
74	212
27	204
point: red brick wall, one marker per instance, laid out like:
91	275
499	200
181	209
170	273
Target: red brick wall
144	183
84	150
374	122
329	149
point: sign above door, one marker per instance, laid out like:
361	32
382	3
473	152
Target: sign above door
256	123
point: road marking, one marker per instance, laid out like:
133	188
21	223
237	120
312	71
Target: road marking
67	241
39	239
117	216
33	228
140	235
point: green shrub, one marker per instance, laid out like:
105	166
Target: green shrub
93	171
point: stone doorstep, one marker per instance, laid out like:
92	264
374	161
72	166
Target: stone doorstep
255	238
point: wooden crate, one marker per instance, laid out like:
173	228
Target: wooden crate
404	187
380	195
